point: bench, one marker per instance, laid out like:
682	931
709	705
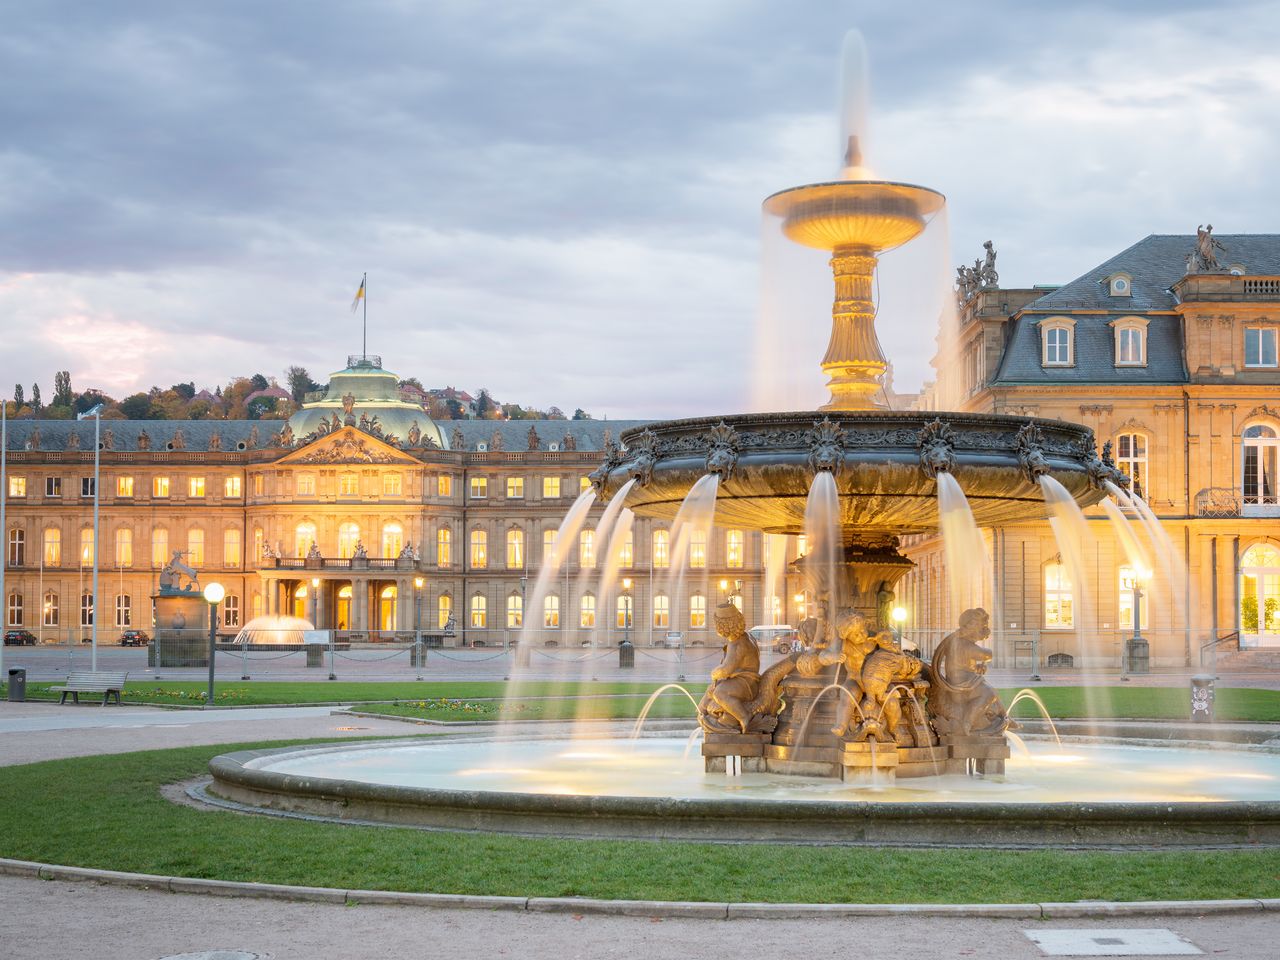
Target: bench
90	681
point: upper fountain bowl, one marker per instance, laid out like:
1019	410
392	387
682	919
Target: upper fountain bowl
884	463
872	214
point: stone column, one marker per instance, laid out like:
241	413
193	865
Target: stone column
359	603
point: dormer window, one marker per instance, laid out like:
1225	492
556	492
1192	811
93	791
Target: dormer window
1131	341
1120	285
1056	338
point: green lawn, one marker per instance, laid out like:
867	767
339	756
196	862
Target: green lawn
107	812
1154	703
673	704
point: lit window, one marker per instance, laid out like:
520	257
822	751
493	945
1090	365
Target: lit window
257	544
53	486
348	538
698	611
159	547
1260	346
698	549
515	488
86	609
1260	593
231	610
515	611
17	486
231	488
444	547
661	610
622	618
392	540
195	547
549	552
349	485
587	611
124	610
305	485
15	610
1259	475
551	611
776	606
584	484
479	549
444	610
160	487
587	548
304	535
515	549
1059	611
86	546
17	552
661	548
550	488
257	485
1126	600
802	545
124	486
231	548
735	545
479	488
52	547
444	485
479	611
124	547
195	487
50	609
1131	458
391	484
1056	342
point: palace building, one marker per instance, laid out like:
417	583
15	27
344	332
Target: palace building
1171	358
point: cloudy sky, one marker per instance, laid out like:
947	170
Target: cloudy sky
561	201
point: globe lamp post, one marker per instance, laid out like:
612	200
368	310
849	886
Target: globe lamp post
213	594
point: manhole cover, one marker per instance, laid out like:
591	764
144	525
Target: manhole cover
219	955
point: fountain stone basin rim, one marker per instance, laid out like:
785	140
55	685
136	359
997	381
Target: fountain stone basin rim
237	777
767	463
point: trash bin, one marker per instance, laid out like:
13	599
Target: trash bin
17	685
1202	698
626	655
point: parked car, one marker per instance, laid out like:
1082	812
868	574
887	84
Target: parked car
782	637
134	638
20	638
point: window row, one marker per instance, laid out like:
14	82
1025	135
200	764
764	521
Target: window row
51	552
588	548
161	487
478	488
1057	343
50	613
587	611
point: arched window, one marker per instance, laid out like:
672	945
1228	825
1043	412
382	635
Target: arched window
622	618
86	546
348	537
479	611
550	555
1131	341
17	552
1260	595
14	615
392	539
342	607
1056	335
1131	458
159	546
479	549
735	548
444	547
587	548
304	536
1059	608
627	549
124	610
195	547
551	611
444	610
587	611
698	611
515	611
52	547
515	549
50	609
86	609
1261	447
231	610
661	548
698	549
661	610
387	608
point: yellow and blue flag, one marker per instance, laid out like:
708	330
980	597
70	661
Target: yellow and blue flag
359	295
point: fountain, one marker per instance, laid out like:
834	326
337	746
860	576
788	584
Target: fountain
850	739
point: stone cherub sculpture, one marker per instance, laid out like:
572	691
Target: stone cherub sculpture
856	644
961	702
360	553
172	574
727	706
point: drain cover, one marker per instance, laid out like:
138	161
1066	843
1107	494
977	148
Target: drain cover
219	955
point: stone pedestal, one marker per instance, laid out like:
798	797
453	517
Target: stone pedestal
749	746
975	754
182	631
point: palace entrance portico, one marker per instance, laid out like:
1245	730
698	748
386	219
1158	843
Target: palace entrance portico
366	596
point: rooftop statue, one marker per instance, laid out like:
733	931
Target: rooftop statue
144	440
456	440
535	442
348	404
1204	259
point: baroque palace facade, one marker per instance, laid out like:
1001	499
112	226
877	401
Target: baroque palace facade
358	513
1168	351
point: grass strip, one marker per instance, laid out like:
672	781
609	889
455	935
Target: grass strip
1147	703
107	812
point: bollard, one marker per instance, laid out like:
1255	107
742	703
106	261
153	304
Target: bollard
1202	697
626	655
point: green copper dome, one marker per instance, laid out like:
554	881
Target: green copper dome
372	392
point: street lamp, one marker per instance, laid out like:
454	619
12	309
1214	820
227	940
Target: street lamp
1137	655
213	594
315	602
96	413
626	610
418	583
899	615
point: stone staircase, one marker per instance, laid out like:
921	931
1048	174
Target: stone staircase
1257	660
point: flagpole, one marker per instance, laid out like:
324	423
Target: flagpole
364	322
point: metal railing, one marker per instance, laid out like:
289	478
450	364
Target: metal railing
1228	642
1218	502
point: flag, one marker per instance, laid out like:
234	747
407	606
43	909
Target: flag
359	295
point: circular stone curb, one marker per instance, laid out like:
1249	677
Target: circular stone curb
635	908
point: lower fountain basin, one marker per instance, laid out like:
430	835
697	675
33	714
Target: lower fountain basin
1079	795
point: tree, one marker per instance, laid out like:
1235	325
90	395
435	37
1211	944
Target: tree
300	383
259	406
580	414
18	397
35	397
62	396
259	382
486	409
136	407
185	390
412	382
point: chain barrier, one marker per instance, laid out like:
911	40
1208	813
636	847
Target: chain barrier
246	656
581	659
391	656
444	656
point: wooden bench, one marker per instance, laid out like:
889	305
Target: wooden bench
89	681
